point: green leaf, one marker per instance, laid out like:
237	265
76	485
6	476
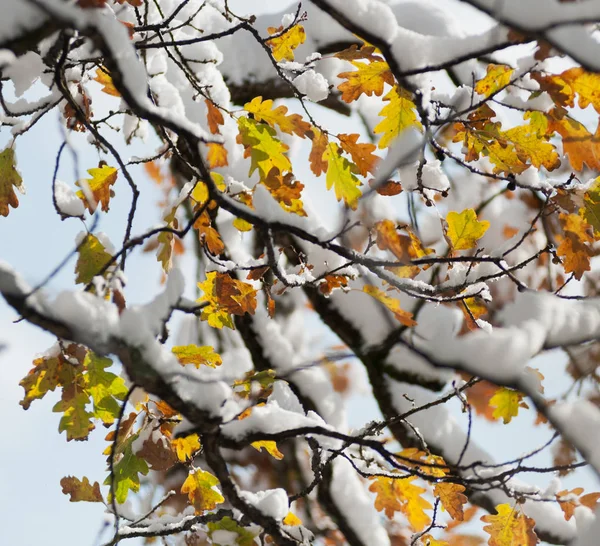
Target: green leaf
127	471
92	258
244	536
105	388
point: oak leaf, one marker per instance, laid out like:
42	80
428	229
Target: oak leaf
217	155
76	420
569	500
98	189
464	230
368	79
510	527
283	46
401	495
214	117
507	403
399	114
362	154
225	296
104	78
263	111
318	165
92	258
497	78
285	190
9	179
200	488
81	490
127	470
186	447
262	146
403	317
579	144
197	355
242	535
105	388
452	498
340	176
270	447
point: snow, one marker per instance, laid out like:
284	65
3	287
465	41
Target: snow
313	85
270	419
580	421
67	201
271	502
355	503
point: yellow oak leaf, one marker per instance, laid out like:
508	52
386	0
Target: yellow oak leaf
362	154
399	114
507	403
270	447
368	79
403	317
510	527
452	498
401	495
341	177
585	84
92	257
497	77
9	180
200	488
590	212
283	46
197	355
81	490
98	189
104	79
186	447
464	230
530	142
263	111
166	241
217	155
262	146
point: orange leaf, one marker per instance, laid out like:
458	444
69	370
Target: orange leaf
452	498
285	190
368	79
362	154
214	116
318	165
81	490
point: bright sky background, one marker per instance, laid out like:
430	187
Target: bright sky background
33	239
